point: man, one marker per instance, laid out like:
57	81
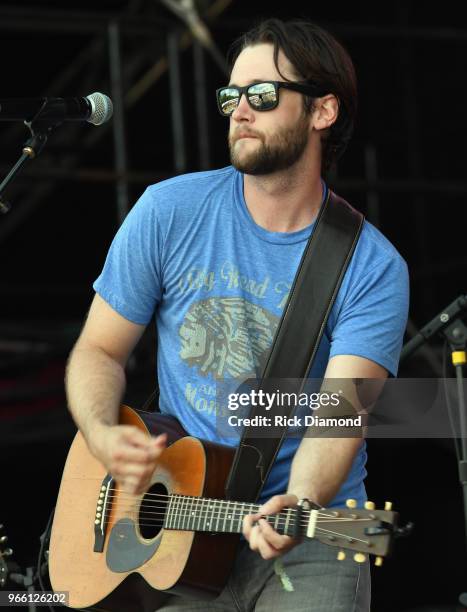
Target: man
214	254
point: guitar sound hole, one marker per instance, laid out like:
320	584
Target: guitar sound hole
152	511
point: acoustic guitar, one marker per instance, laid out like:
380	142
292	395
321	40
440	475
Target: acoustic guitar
114	551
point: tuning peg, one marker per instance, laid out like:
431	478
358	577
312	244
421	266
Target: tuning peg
359	557
7	552
3	539
369	505
388	506
341	555
351	503
379	561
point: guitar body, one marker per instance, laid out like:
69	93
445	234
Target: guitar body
140	562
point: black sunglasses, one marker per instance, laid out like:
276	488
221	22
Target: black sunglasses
260	96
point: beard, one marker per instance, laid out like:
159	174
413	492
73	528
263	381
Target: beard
285	148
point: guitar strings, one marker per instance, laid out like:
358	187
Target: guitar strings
234	515
329	533
291	525
200	503
201	500
283	521
271	518
185	505
279	521
277	524
201	509
134	499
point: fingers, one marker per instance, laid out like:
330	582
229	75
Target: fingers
131	485
265	540
135	450
137	438
275	540
278	503
259	543
261	535
249	521
132	458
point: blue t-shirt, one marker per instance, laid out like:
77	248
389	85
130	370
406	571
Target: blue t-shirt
190	252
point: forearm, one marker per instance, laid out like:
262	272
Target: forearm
95	384
322	463
320	467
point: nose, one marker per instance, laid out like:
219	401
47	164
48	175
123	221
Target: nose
243	110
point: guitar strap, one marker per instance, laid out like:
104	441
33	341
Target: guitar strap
314	290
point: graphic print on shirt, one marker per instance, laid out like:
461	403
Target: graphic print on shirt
227	337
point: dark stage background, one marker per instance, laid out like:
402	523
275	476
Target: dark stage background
404	169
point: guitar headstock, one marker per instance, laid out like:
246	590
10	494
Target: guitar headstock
362	530
4	552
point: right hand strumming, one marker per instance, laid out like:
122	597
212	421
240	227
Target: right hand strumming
128	454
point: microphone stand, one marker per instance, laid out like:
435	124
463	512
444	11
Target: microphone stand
40	127
448	323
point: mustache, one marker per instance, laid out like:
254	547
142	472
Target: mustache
243	132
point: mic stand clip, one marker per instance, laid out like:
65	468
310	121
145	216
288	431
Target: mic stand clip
40	128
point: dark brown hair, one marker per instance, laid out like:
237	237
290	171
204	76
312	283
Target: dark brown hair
318	58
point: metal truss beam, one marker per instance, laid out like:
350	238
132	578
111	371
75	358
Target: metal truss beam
30	19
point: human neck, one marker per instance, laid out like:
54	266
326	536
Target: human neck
285	201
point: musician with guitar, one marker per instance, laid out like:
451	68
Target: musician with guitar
214	255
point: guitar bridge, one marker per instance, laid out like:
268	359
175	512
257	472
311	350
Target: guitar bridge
103	508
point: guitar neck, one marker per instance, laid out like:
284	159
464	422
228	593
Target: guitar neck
221	516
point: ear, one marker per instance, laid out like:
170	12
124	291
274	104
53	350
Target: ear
326	111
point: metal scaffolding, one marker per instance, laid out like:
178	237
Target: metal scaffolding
156	43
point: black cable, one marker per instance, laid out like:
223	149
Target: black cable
45	537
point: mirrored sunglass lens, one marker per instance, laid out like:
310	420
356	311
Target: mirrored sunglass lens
228	100
262	96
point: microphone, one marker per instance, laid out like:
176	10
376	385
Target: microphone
96	108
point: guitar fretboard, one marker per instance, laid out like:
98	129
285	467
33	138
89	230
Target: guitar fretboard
202	514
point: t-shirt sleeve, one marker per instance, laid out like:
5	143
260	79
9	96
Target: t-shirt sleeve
373	317
130	281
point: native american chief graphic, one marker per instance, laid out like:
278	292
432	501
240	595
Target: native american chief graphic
229	337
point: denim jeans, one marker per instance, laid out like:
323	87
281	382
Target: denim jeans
308	579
